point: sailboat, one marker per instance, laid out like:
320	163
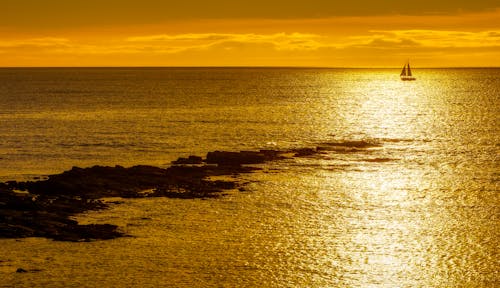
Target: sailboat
406	73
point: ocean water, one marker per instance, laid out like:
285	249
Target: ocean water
420	210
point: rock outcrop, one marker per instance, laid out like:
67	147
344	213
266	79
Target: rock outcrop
44	208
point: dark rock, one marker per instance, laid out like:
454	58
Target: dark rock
234	158
242	157
303	152
190	160
78	233
99	181
46	209
379	160
21	270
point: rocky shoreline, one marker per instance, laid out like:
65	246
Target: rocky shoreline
44	208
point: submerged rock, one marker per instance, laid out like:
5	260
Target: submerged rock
21	270
304	152
190	160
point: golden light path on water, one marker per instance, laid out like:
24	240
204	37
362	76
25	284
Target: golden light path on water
411	224
380	246
396	229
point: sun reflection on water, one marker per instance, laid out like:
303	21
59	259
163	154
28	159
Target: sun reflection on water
393	230
382	225
408	219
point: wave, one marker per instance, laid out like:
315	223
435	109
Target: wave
379	160
350	145
396	140
106	145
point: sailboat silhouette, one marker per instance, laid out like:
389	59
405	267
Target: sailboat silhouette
406	73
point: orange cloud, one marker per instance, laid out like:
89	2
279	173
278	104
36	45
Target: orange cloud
424	40
36	42
280	41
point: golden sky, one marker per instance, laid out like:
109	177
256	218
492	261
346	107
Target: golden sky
331	33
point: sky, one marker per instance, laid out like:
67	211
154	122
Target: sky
312	33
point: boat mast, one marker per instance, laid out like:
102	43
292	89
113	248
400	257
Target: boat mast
409	70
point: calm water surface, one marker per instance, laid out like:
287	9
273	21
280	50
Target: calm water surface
420	210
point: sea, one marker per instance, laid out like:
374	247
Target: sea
421	208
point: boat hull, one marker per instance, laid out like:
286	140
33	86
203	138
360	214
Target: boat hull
408	78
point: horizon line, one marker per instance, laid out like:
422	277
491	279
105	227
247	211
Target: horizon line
257	66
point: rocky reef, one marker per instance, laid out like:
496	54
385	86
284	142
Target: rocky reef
44	208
